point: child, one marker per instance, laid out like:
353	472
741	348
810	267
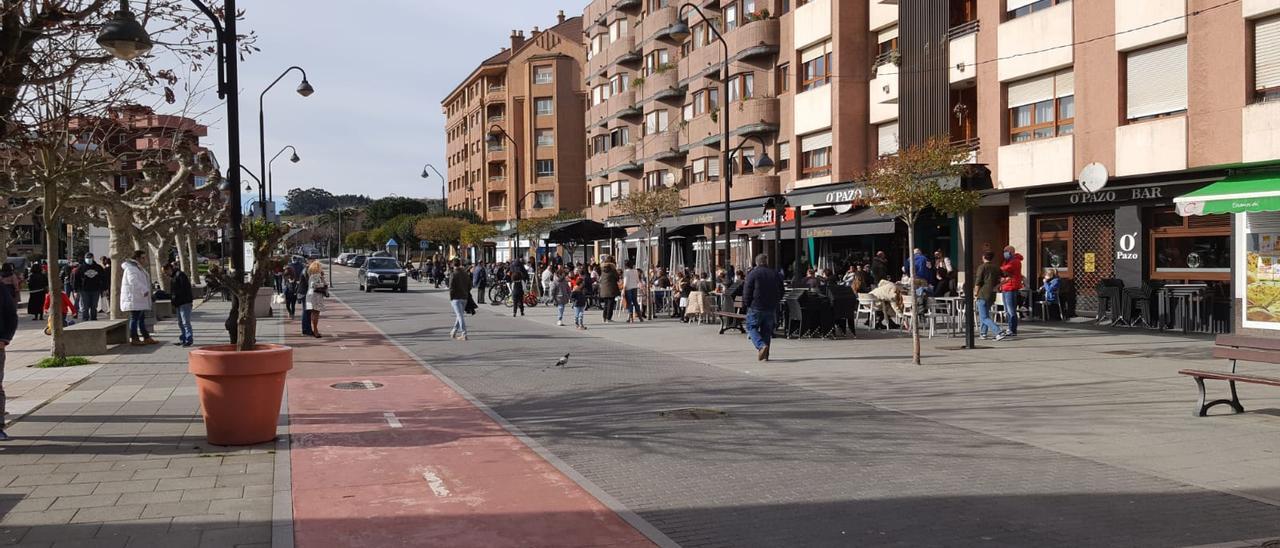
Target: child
580	290
1050	289
69	312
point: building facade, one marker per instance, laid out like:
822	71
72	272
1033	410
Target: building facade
533	91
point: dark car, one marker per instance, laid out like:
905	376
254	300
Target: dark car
357	261
379	272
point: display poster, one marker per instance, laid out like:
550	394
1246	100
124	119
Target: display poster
1262	280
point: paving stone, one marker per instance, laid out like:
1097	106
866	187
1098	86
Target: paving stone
41	479
39	520
82	467
219	470
161	473
218	538
28	469
204	522
244	480
105	476
138	463
119	512
252	491
177	539
30	504
185	483
131	486
213	493
174	509
68	490
84	501
150	497
134	528
231	506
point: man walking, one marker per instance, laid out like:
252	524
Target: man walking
89	280
180	289
459	292
8	327
1010	286
986	281
760	296
479	279
519	277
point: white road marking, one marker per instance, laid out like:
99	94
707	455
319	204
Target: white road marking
368	385
392	420
436	484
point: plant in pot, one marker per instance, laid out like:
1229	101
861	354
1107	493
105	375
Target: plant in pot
241	385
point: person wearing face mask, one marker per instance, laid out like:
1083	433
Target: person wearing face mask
1010	285
90	279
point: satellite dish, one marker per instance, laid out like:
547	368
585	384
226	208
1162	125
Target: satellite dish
1093	178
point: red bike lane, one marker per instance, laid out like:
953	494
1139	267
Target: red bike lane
413	463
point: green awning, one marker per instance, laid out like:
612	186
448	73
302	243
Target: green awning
1251	193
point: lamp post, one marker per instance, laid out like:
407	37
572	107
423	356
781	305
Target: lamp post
125	38
763	163
496	134
536	205
305	90
271	195
680	32
443	183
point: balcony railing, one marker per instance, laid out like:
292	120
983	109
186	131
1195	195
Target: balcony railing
971	144
497	178
500	207
496	119
968	27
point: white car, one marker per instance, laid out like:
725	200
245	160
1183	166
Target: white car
342	258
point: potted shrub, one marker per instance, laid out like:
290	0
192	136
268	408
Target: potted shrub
241	385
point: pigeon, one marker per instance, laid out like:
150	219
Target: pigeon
562	361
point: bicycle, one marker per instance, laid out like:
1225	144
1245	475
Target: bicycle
500	294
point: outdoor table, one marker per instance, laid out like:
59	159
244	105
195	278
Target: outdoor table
954	306
1180	301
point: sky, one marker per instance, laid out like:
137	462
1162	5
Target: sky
380	69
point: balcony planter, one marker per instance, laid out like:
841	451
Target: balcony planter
240	391
241	385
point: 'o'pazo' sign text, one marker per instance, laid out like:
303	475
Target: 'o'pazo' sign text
1112	196
855	196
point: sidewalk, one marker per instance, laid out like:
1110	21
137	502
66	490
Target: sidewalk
27	388
413	462
120	460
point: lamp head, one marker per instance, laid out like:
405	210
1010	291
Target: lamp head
124	37
764	163
305	89
294	158
425	175
248	187
680	31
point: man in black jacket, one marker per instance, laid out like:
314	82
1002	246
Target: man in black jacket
8	327
760	296
180	287
90	280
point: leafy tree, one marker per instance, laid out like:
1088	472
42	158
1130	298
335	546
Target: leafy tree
476	234
357	240
443	231
352	200
464	214
385	209
311	201
920	177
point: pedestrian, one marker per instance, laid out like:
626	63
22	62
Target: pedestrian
10	281
479	280
104	285
519	280
547	277
560	293
1050	287
760	297
923	268
317	290
1010	286
135	298
879	267
580	292
38	285
8	328
608	286
632	283
89	281
182	297
290	291
459	294
68	311
888	304
986	282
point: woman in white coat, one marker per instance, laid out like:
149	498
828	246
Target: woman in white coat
317	290
135	298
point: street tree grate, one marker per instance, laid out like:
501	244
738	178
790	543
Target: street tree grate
693	414
358	385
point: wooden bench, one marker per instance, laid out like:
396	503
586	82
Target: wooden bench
732	320
96	337
1237	349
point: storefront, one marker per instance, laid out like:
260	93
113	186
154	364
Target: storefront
1254	200
1127	233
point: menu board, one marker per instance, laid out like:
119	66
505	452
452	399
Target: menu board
1262	280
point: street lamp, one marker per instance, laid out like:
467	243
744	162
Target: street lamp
124	38
680	32
536	206
496	134
443	182
270	180
305	90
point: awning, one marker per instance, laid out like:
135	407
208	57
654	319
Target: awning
582	230
1251	193
863	222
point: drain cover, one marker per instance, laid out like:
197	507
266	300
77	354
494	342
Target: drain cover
693	414
359	385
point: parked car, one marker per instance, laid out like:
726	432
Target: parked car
379	272
357	261
342	258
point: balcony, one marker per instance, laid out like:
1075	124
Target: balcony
699	61
754	39
1037	163
629	57
753	185
1036	43
619	102
620	155
670	93
658	80
962	47
657	146
1151	146
1260	123
623	5
496	94
497	119
656	24
623	46
753	115
883	94
494	155
883	14
497	180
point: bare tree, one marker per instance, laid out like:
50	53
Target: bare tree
647	209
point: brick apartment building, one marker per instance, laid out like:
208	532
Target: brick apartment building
532	90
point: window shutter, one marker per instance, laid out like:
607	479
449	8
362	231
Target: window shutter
815	52
1015	4
1064	84
1266	53
784	151
816	141
1157	80
699	166
1031	91
888	138
713	167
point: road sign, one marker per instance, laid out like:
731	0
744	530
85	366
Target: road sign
422	245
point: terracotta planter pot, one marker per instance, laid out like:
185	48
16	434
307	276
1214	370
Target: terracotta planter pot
240	392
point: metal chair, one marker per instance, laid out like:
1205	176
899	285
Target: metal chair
866	305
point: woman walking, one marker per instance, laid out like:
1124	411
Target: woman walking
317	290
609	284
631	284
560	294
38	284
459	293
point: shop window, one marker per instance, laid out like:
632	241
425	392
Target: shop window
1190	248
1056	244
1262	271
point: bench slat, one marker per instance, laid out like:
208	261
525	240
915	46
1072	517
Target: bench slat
1246	354
1241	341
1226	376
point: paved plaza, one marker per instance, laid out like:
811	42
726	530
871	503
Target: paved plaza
1067	436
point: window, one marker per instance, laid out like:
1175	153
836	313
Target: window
655	5
1156	81
657	61
730	17
545	168
1054	237
1019	8
817	67
545	137
619	189
619	83
1194	248
619	137
617	30
542	74
601	195
704	101
784	77
784	156
542	106
544	199
1266	59
600	144
655	122
1042	107
887	45
658	178
887	139
742	86
815	155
